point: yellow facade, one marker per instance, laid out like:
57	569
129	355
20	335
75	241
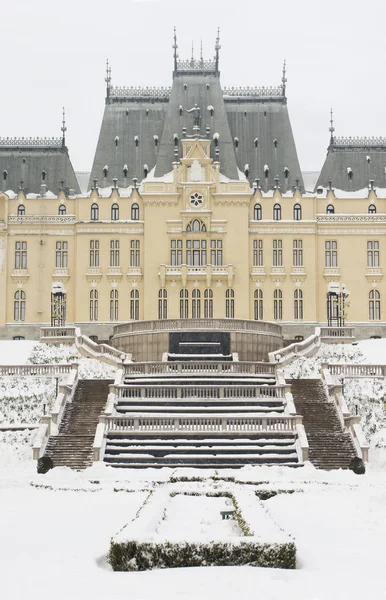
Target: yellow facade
191	244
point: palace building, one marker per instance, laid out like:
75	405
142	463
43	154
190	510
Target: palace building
196	208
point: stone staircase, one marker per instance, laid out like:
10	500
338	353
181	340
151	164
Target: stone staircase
73	446
330	447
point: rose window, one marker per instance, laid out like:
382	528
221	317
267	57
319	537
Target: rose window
196	199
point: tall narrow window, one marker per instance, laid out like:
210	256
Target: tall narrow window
298	304
115	212
62	210
184	304
330	209
61	255
134	212
19	306
21	210
94	212
278	305
176	253
258	305
94	305
257	212
135	254
216	253
230	303
114	253
258	253
114	305
134	305
297	212
374	305
162	304
208	304
277	253
331	253
196	253
94	253
20	255
373	254
196	304
277	212
297	253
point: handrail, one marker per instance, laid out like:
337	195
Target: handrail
102	352
355	370
307	347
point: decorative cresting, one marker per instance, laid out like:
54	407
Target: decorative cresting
194	64
138	93
360	142
30	142
253	92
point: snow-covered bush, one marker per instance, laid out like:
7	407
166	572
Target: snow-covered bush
89	368
22	398
16	446
365	397
309	368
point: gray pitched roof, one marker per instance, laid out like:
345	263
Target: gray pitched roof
352	162
25	160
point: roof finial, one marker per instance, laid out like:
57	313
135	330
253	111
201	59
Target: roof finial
201	56
217	49
284	78
63	128
108	78
192	58
175	47
331	128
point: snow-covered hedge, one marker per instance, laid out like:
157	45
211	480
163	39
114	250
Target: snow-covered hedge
22	398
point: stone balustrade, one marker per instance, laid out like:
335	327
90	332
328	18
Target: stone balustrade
198	324
45	370
337	335
199	391
62	335
355	370
202	367
307	347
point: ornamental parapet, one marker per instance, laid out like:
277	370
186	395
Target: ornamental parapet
44	142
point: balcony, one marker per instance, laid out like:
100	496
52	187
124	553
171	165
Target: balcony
60	275
258	274
134	273
94	274
278	274
114	273
204	273
20	275
374	274
331	273
298	274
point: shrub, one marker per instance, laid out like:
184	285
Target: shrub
45	464
358	466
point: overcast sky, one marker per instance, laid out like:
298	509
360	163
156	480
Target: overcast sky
54	53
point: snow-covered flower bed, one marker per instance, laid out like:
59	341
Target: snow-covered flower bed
89	368
309	368
15	446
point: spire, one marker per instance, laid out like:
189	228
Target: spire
192	58
175	48
201	56
284	77
217	49
332	128
108	78
63	128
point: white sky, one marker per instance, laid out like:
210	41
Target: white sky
54	53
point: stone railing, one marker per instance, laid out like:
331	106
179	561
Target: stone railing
198	324
337	335
44	370
353	371
208	423
50	423
199	391
348	421
102	352
204	367
55	335
307	347
100	438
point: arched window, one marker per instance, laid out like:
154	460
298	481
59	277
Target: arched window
134	305
196	304
278	305
5	175
372	209
208	304
162	304
134	212
62	210
94	305
114	305
257	212
19	306
44	175
21	210
330	209
115	212
94	212
277	212
230	303
374	305
196	226
258	305
298	304
297	212
184	304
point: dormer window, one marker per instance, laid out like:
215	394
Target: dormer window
44	175
62	210
266	171
21	210
105	171
330	209
372	209
349	173
236	142
5	175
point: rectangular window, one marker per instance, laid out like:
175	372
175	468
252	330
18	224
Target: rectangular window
258	253
373	254
20	255
114	253
216	253
196	253
134	254
277	253
61	255
331	254
176	253
297	253
94	253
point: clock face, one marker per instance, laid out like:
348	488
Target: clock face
196	199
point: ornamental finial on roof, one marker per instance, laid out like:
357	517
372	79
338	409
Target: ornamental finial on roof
175	47
284	77
63	128
201	56
108	78
192	58
331	128
217	49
